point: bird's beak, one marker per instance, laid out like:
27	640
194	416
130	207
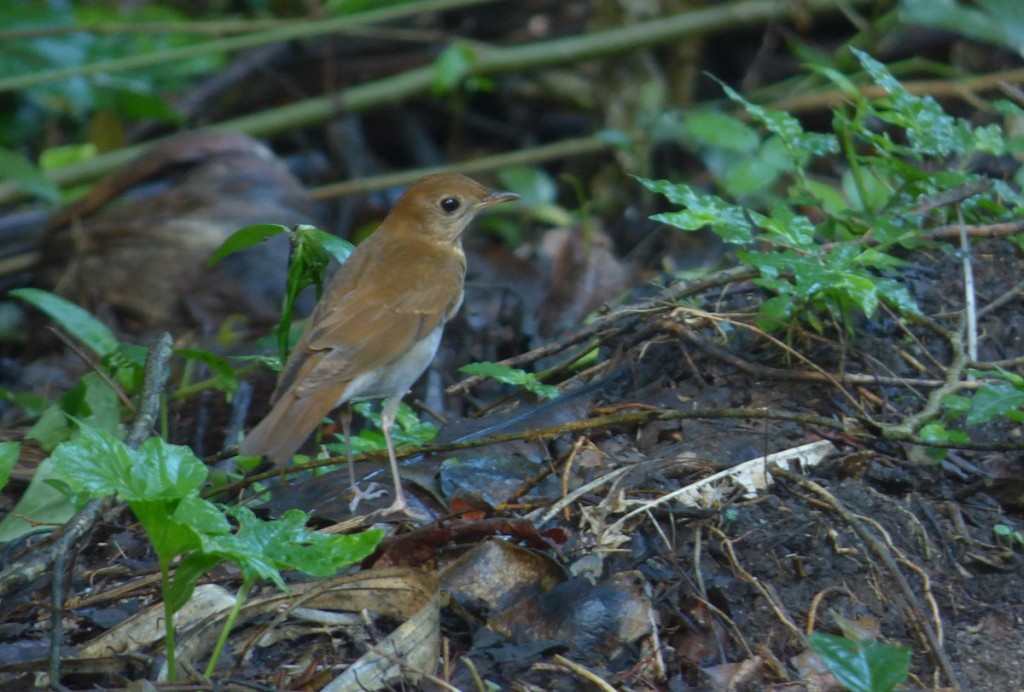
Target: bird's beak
496	198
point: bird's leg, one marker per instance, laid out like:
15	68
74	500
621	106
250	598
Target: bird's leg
387	419
345	418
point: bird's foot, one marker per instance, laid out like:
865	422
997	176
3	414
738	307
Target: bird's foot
373	491
400	509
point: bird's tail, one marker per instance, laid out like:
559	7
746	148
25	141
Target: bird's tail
280	434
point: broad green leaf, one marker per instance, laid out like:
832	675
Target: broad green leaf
202	515
758	173
722	131
41	504
408	429
169	536
72	319
245	238
336	247
956	404
775	312
9	453
995	400
262	548
186	575
32	404
141	104
225	380
19	170
791	229
833	201
91	402
99	464
55	157
165	471
95	463
512	376
451	67
731	222
863	666
127	364
937	433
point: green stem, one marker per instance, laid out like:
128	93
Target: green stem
165	586
362	97
308	29
222	641
850	151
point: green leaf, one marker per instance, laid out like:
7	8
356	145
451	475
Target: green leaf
776	312
56	157
749	175
187	575
956	404
91	401
512	376
32	404
245	238
937	433
201	515
533	184
731	222
74	320
722	131
310	257
995	400
20	171
127	365
788	228
165	471
336	247
99	464
9	453
451	68
409	430
863	666
40	504
225	378
95	463
787	127
170	536
262	548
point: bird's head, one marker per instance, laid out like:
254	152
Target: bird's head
442	205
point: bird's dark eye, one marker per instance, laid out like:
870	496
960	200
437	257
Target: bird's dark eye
450	204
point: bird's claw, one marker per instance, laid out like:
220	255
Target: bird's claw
373	491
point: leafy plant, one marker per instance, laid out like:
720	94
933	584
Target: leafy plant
862	665
99	97
844	263
160	483
453	69
1015	537
311	251
512	376
408	430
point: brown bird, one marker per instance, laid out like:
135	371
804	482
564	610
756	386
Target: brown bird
379	321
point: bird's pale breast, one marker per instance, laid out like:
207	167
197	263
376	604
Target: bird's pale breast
395	378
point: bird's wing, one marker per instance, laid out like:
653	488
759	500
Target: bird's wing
355	330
